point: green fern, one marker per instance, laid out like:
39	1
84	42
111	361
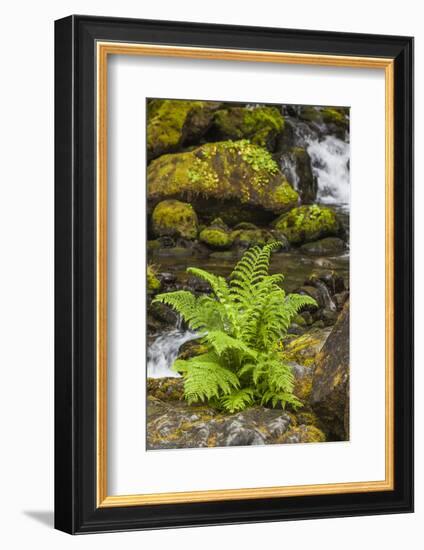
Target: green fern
241	324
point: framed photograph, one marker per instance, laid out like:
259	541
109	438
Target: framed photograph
234	274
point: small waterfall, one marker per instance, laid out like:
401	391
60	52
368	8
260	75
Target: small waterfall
164	350
330	164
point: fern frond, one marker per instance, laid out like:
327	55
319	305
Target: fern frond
205	378
218	284
222	342
183	301
282	398
238	400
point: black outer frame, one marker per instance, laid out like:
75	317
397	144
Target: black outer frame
75	275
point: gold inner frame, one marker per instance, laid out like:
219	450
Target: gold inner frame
104	49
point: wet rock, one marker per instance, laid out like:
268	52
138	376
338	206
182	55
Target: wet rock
191	349
329	316
297	167
331	379
174	424
163	315
341	298
315	293
329	246
168	278
332	280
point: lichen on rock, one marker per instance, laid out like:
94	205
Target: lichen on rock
330	387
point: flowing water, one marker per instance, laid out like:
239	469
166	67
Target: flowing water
330	165
163	351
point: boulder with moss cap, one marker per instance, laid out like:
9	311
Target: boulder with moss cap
174	218
175	123
309	223
217	235
219	177
261	125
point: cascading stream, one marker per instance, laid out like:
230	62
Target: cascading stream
163	351
330	165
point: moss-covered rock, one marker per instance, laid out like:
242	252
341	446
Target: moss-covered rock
330	384
303	349
166	389
174	123
335	120
261	125
308	223
153	283
175	219
236	177
247	238
216	237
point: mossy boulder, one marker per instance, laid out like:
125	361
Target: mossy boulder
172	124
246	238
216	237
308	223
330	385
175	219
237	181
261	125
335	120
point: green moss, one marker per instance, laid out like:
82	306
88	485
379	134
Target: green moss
166	389
334	115
253	237
167	119
308	223
174	218
225	170
285	194
303	387
153	283
258	124
215	237
303	349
